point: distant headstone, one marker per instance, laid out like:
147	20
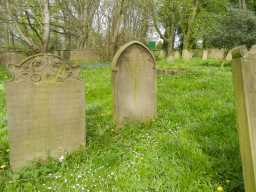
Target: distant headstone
244	76
11	58
161	54
187	55
170	58
177	55
218	54
198	53
134	86
84	56
45	108
205	55
229	56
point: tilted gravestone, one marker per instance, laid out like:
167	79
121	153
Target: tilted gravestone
45	108
134	86
244	76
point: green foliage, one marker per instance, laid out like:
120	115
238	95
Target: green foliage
192	146
236	28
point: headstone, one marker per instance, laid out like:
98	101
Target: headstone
187	55
244	76
161	54
85	56
177	55
134	86
218	54
197	53
11	58
45	108
229	56
170	58
205	55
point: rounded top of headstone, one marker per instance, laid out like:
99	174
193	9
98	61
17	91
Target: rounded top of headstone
123	49
43	67
239	52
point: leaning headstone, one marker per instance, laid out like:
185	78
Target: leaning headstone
187	55
134	84
45	108
244	76
205	55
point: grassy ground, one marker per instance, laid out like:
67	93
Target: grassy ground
191	147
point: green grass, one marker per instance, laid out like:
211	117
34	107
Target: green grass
192	146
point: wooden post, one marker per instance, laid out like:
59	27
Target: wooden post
244	77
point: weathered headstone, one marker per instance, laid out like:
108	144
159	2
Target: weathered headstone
244	76
45	108
161	54
11	58
229	56
170	58
187	55
218	54
134	90
205	55
177	55
85	56
197	53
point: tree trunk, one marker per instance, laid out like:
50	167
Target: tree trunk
46	25
242	4
188	33
116	23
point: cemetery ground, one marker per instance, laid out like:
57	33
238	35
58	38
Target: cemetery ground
192	145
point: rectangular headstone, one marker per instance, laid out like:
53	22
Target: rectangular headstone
205	55
187	55
218	54
46	113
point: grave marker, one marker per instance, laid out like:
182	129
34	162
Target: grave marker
45	109
244	77
134	88
187	55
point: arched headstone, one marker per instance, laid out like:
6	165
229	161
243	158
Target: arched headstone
45	109
134	88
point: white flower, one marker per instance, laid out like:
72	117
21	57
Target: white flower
61	158
3	166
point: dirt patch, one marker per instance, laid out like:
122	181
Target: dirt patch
172	71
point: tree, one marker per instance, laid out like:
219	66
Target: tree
235	29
